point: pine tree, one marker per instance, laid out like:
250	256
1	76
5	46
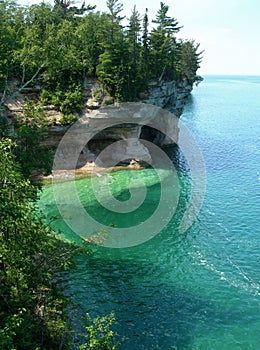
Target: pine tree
115	7
163	44
144	67
188	60
111	69
134	53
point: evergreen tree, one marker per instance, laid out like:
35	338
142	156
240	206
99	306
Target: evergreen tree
89	46
65	8
58	50
163	44
144	66
134	53
115	7
112	68
188	60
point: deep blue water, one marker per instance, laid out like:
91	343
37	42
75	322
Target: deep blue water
201	289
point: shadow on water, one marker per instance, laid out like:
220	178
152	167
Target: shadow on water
151	313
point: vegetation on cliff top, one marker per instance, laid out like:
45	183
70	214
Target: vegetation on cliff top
56	48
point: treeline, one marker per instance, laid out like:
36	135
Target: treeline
58	47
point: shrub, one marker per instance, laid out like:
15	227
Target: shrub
99	335
68	119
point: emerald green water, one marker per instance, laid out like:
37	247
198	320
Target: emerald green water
201	289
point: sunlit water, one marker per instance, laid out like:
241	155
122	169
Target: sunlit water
201	289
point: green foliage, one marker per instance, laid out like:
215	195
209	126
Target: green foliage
188	60
10	34
46	97
67	101
115	7
112	61
163	45
98	94
68	119
29	134
89	46
38	27
58	50
31	307
134	53
99	335
65	8
71	101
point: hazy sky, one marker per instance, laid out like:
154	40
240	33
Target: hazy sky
227	30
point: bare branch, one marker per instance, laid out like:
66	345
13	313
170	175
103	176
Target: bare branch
5	100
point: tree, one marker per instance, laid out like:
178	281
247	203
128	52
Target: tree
111	70
99	335
188	60
89	46
64	67
31	308
134	54
115	7
163	44
65	8
52	49
26	58
11	31
145	49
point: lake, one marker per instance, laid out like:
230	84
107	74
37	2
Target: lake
199	289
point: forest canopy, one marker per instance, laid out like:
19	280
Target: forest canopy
57	48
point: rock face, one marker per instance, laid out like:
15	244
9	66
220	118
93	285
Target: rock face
116	135
170	95
111	136
126	127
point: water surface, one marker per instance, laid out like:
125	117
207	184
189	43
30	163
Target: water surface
201	289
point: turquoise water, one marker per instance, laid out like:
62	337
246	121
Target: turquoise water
201	289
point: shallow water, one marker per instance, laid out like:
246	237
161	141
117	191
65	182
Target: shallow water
200	289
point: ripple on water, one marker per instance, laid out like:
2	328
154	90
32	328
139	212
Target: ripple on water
198	290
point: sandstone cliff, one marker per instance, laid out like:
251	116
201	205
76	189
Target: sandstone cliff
133	123
101	126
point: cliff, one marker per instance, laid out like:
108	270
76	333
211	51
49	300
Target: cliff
131	123
169	95
113	136
150	119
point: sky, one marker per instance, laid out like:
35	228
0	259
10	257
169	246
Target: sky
228	30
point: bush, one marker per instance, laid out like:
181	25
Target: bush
45	97
68	102
98	94
68	119
99	335
72	101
